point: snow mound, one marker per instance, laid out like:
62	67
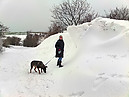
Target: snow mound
101	31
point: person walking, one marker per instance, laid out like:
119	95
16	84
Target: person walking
59	50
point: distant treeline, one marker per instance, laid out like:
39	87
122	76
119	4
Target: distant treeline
16	33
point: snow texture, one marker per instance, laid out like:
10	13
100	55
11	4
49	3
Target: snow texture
96	64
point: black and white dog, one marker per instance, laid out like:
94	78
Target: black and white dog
38	64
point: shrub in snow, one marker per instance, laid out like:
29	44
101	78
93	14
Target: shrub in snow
31	40
11	41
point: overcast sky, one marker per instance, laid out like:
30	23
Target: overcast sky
35	15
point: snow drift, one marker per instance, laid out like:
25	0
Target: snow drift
95	64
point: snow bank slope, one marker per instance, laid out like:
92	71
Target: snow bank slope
103	52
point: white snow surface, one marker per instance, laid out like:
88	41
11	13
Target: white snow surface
96	64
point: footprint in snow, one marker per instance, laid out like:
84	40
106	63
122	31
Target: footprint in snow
98	57
102	77
101	74
99	81
77	94
119	76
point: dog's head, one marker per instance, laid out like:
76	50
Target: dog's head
44	69
43	66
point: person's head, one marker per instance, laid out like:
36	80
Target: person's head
61	37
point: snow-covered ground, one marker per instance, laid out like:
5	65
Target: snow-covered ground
96	64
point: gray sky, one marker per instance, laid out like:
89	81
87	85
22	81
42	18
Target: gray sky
35	15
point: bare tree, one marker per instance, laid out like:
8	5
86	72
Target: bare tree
118	13
55	27
1	44
89	17
73	13
2	30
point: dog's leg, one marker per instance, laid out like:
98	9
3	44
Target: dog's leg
39	70
31	68
35	69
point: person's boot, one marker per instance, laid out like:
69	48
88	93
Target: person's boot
60	64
